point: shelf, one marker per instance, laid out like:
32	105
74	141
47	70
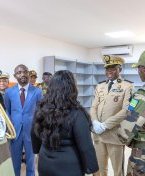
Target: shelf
84	79
98	69
65	65
83	73
85	90
130	73
139	84
83	68
83	95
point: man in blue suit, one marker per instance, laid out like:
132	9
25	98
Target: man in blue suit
20	102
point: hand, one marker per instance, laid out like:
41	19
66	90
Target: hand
98	127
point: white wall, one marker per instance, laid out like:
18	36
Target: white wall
17	47
95	54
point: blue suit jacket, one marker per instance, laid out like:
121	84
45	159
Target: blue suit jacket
22	117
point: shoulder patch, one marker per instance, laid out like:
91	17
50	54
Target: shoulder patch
101	82
128	81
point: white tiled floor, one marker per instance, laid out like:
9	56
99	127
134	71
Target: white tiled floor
110	171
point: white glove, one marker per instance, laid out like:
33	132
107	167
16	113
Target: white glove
98	127
2	127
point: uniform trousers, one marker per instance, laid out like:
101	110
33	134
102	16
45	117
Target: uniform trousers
105	151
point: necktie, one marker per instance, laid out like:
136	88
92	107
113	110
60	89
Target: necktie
110	85
22	96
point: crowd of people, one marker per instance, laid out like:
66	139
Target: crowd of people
48	120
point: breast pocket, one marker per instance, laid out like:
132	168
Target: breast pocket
101	97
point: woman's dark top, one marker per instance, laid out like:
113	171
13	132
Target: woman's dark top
76	154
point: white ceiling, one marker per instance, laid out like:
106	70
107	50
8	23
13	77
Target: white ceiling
81	22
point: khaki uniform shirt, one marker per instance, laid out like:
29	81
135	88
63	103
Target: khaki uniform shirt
111	108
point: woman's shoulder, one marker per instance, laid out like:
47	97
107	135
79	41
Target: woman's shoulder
76	111
79	114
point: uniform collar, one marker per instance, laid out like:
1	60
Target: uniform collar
118	80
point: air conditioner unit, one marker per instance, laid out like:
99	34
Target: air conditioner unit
126	50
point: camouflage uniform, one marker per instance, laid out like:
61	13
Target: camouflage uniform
43	86
132	133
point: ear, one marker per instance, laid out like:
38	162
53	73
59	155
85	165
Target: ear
14	75
120	69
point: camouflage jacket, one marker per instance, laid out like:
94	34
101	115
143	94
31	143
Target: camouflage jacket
43	86
132	129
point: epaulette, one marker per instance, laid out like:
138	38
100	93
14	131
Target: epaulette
128	81
101	82
119	80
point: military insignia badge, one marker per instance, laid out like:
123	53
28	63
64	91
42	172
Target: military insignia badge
117	90
133	104
116	99
107	59
119	80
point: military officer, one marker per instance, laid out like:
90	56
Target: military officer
132	130
33	77
6	167
44	85
107	111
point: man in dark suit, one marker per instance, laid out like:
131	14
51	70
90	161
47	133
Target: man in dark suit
20	102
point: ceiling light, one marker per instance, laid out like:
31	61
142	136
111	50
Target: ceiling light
120	34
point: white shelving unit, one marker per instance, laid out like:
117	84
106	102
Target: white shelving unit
82	71
84	83
98	74
65	65
88	75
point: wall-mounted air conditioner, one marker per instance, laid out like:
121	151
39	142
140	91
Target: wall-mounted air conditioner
126	50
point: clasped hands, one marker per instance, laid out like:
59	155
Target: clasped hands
98	127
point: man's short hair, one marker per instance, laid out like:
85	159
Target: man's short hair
47	73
